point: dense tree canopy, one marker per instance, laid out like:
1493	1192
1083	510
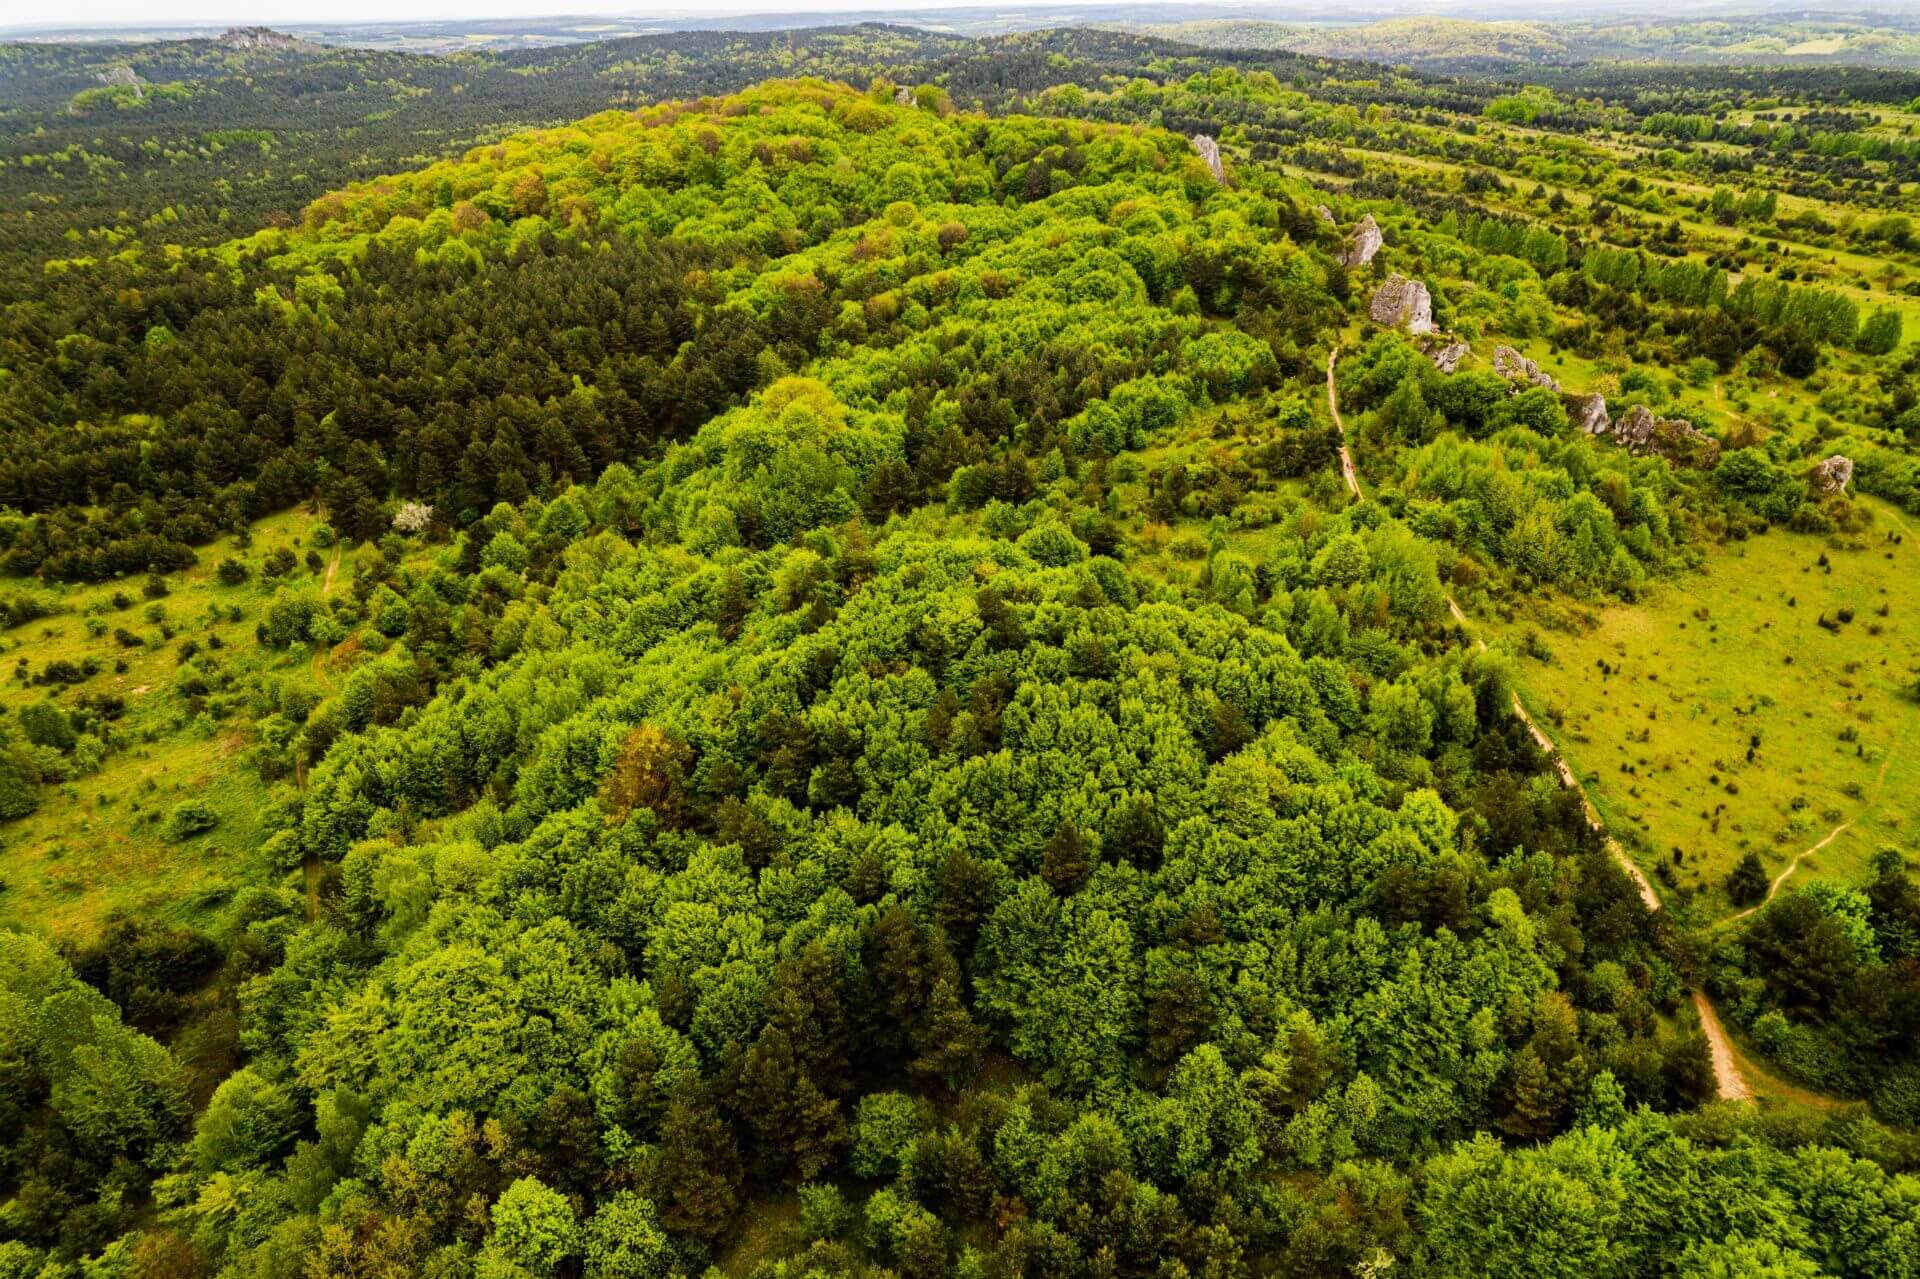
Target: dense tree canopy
858	699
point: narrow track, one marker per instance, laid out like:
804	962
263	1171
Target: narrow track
310	864
1351	476
1732	1085
1728	1081
1879	781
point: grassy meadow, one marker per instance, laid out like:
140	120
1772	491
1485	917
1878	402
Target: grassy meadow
95	845
1720	716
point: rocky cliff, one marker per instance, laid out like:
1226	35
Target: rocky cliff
255	39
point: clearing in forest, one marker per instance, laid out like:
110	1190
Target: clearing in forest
1757	706
167	675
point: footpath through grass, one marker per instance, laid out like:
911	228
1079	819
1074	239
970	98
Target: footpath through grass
1753	706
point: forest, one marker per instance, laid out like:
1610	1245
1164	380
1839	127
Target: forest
881	654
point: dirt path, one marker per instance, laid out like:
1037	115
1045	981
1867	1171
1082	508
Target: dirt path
1728	1081
1570	782
333	566
1351	476
1879	782
322	653
1726	1071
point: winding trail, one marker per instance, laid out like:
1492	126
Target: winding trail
1351	476
1879	781
1732	1085
323	653
1728	1081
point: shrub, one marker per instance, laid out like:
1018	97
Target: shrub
189	817
824	1213
1896	1096
19	782
46	725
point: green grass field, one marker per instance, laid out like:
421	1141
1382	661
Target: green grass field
95	846
1658	705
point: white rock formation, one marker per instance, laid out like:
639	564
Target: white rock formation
1515	367
1589	413
1833	475
1675	439
1403	303
122	77
1446	355
1209	150
1362	244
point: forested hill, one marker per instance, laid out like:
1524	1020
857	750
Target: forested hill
221	140
871	744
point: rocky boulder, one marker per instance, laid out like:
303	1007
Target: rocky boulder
1362	244
1209	151
1675	439
1833	475
903	96
1515	367
1446	354
1325	214
1402	303
122	77
1634	432
1589	413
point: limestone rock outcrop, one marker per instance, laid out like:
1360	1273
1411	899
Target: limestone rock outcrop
1403	303
1675	439
1445	353
1209	151
1635	430
257	38
1833	475
1589	413
122	77
1362	244
1515	367
1325	214
903	96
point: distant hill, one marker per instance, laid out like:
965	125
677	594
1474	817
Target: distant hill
1426	41
1459	44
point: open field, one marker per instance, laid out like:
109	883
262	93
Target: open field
95	845
1720	717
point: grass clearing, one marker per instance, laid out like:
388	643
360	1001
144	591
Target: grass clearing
1659	705
95	844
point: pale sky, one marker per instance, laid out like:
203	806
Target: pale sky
157	13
